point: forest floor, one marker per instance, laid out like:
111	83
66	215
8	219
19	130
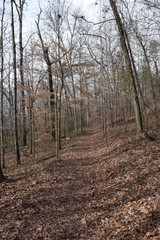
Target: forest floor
100	188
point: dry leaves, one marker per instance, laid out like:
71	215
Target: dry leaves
100	188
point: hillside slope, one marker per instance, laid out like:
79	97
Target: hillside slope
102	187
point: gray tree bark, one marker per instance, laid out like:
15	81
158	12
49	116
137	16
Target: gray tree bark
15	87
21	69
125	49
2	163
50	80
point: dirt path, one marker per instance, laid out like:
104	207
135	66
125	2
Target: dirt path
100	188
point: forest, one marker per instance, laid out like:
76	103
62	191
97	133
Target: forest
80	120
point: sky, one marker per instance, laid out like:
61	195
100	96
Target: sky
32	9
85	5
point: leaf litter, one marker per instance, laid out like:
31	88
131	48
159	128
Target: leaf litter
101	187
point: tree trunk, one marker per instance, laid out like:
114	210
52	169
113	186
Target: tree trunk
2	163
15	87
1	89
81	105
52	100
69	60
49	69
124	46
60	94
152	90
57	125
21	69
2	177
138	85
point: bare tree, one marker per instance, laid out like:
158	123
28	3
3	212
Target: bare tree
20	8
1	94
50	80
15	86
152	3
124	45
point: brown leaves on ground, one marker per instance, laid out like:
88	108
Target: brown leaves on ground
100	188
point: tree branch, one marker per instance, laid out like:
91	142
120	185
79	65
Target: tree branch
97	23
